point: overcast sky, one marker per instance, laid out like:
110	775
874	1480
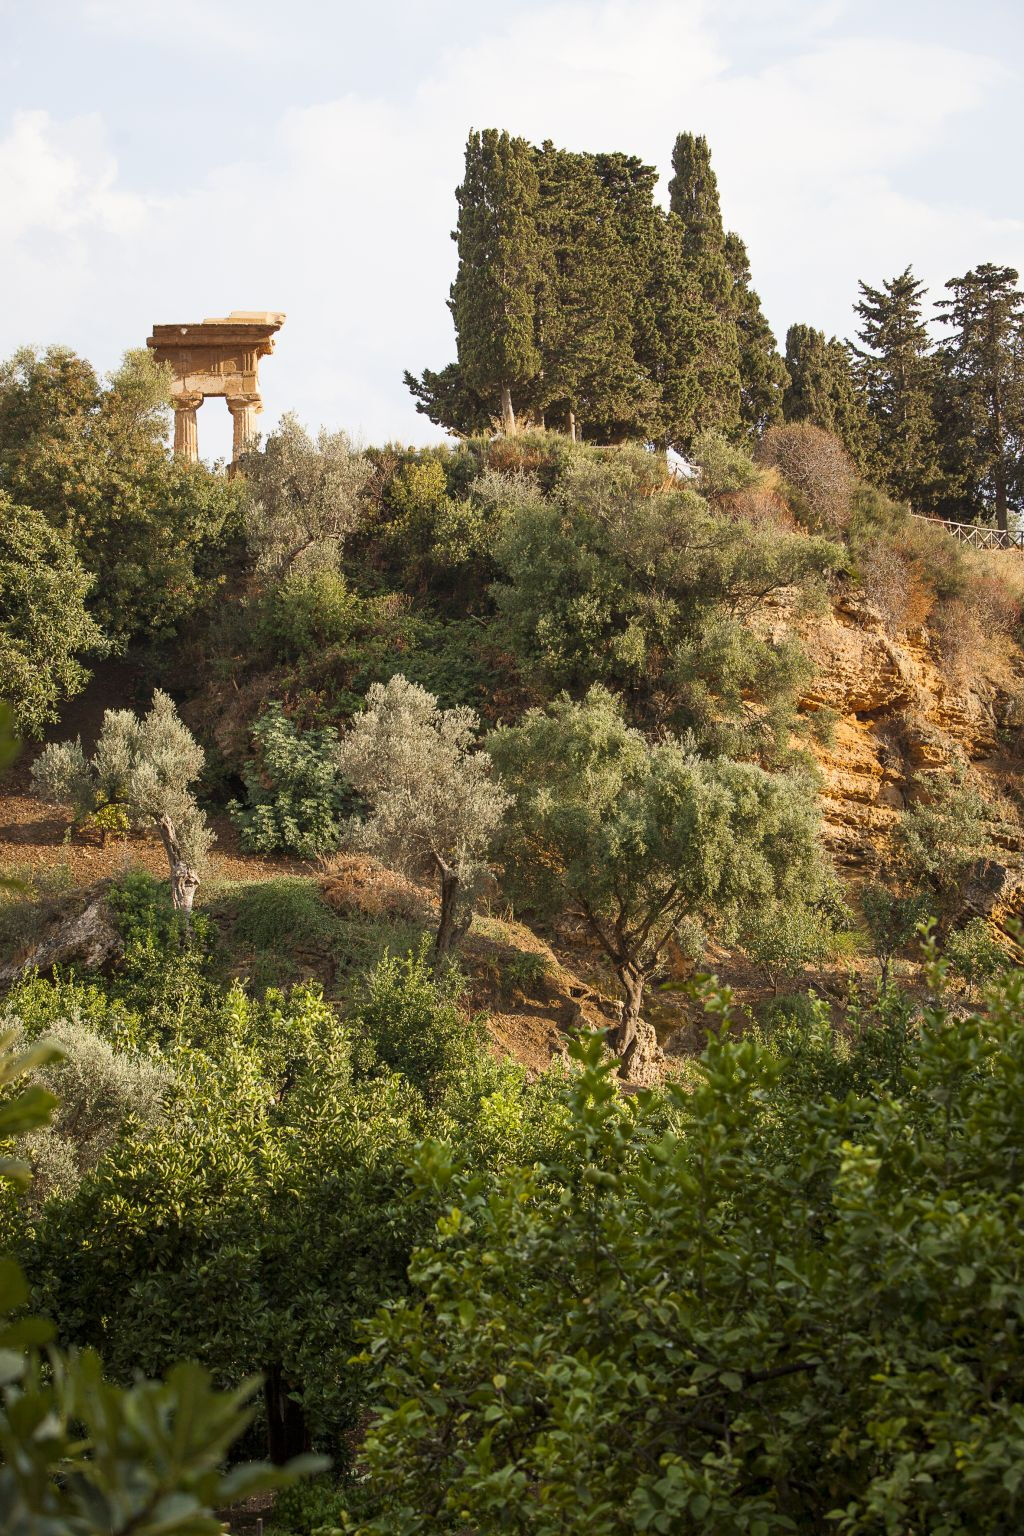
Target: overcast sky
164	160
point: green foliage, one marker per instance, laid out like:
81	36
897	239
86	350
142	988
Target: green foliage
783	938
302	499
790	1309
893	918
580	299
80	1455
624	579
693	200
764	377
151	530
636	839
295	794
945	832
306	1507
96	1088
723	466
434	809
147	766
408	1022
899	376
309	611
981	393
44	626
824	391
976	952
493	295
270	1208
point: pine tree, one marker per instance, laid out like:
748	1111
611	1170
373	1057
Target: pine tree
763	375
590	378
694	205
898	374
493	298
982	392
824	390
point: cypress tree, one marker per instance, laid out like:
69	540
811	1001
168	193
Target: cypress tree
629	186
982	392
699	261
763	374
824	390
899	375
590	378
493	298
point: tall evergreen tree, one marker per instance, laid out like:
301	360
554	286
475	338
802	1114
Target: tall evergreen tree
494	295
824	390
982	392
763	374
590	378
898	374
693	202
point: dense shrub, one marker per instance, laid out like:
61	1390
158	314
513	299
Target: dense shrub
97	1088
44	626
723	467
310	610
294	792
622	579
792	1309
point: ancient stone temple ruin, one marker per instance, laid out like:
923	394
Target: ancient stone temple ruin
216	357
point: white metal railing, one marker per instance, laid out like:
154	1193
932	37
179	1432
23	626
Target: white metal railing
978	535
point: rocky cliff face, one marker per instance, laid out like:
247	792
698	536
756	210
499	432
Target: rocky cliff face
903	711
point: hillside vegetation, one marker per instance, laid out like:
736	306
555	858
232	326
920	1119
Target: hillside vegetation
510	960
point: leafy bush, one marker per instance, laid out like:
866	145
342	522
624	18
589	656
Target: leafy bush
79	1453
946	830
434	806
306	1507
976	952
790	1308
893	918
97	1088
783	938
302	498
723	466
310	610
407	1020
295	795
147	766
624	579
44	626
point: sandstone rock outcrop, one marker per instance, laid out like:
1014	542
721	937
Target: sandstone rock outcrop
899	713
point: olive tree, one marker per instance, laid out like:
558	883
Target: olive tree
147	765
302	498
435	807
639	839
97	1087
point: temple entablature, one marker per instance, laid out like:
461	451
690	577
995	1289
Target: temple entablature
216	357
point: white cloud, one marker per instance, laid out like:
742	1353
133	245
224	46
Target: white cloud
339	212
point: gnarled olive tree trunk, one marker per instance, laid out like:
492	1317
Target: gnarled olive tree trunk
184	877
450	930
634	1040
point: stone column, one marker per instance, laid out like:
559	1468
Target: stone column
244	410
186	436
